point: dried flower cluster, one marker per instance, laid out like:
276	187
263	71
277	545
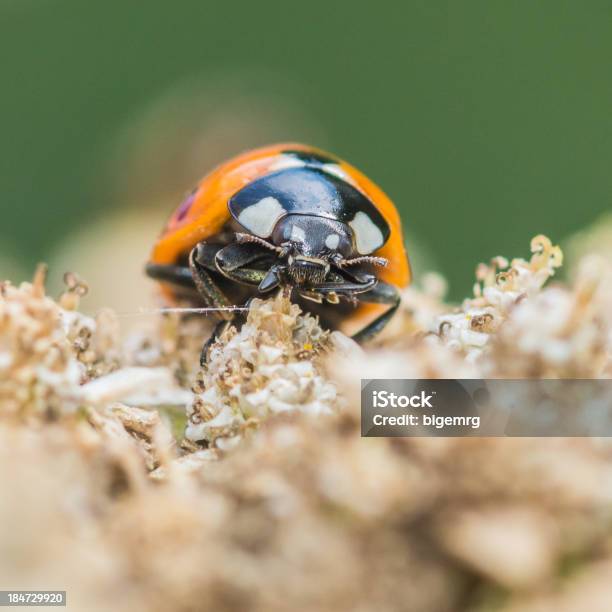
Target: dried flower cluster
302	513
500	286
48	349
268	367
514	326
58	364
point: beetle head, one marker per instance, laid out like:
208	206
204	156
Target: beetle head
309	243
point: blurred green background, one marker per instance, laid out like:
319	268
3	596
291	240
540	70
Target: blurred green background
486	122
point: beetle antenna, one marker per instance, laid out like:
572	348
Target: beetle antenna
376	261
243	238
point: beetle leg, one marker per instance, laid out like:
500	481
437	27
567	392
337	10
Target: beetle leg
232	262
234	256
177	275
356	274
206	286
206	258
383	293
343	286
271	280
198	276
220	327
246	276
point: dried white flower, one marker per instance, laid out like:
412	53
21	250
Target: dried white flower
268	367
500	286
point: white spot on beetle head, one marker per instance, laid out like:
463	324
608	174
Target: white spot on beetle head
297	234
261	217
332	241
367	235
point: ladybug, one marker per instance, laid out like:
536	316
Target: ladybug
290	216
